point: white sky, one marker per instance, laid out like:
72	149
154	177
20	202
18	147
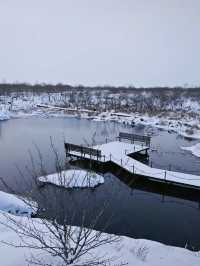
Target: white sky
99	42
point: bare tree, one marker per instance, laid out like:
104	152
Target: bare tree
54	240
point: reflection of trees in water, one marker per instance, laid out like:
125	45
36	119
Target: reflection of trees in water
0	129
107	131
89	202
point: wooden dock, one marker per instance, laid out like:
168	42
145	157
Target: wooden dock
119	153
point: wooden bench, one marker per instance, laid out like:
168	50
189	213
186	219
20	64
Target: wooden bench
134	137
82	150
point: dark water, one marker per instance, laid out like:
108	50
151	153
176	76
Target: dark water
146	211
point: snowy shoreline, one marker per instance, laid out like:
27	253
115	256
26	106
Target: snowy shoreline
182	118
184	127
130	251
195	149
16	205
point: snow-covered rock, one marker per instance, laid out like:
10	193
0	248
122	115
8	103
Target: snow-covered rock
73	179
15	205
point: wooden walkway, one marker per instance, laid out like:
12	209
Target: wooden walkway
119	153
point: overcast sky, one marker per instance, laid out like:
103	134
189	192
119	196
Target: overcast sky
100	42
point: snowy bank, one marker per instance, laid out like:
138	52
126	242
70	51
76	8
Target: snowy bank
15	205
73	179
126	252
195	149
4	115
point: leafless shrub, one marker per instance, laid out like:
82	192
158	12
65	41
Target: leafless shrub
55	238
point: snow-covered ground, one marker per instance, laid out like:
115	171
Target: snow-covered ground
128	251
195	149
16	205
73	179
183	118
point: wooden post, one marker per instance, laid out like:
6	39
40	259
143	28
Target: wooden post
165	175
121	162
163	198
133	168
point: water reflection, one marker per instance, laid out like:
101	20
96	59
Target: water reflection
135	209
124	207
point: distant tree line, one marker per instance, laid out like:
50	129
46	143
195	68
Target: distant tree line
103	98
43	87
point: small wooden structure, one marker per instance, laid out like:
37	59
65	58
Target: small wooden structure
121	154
135	138
83	151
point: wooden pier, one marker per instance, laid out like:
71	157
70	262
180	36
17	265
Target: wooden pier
120	153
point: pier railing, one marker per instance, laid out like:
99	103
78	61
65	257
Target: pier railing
161	174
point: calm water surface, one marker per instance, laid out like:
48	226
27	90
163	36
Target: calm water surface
136	212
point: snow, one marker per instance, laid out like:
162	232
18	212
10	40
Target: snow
195	135
73	179
195	149
4	115
16	205
118	152
119	149
128	251
59	105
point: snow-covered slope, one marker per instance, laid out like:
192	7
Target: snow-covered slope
15	205
128	251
